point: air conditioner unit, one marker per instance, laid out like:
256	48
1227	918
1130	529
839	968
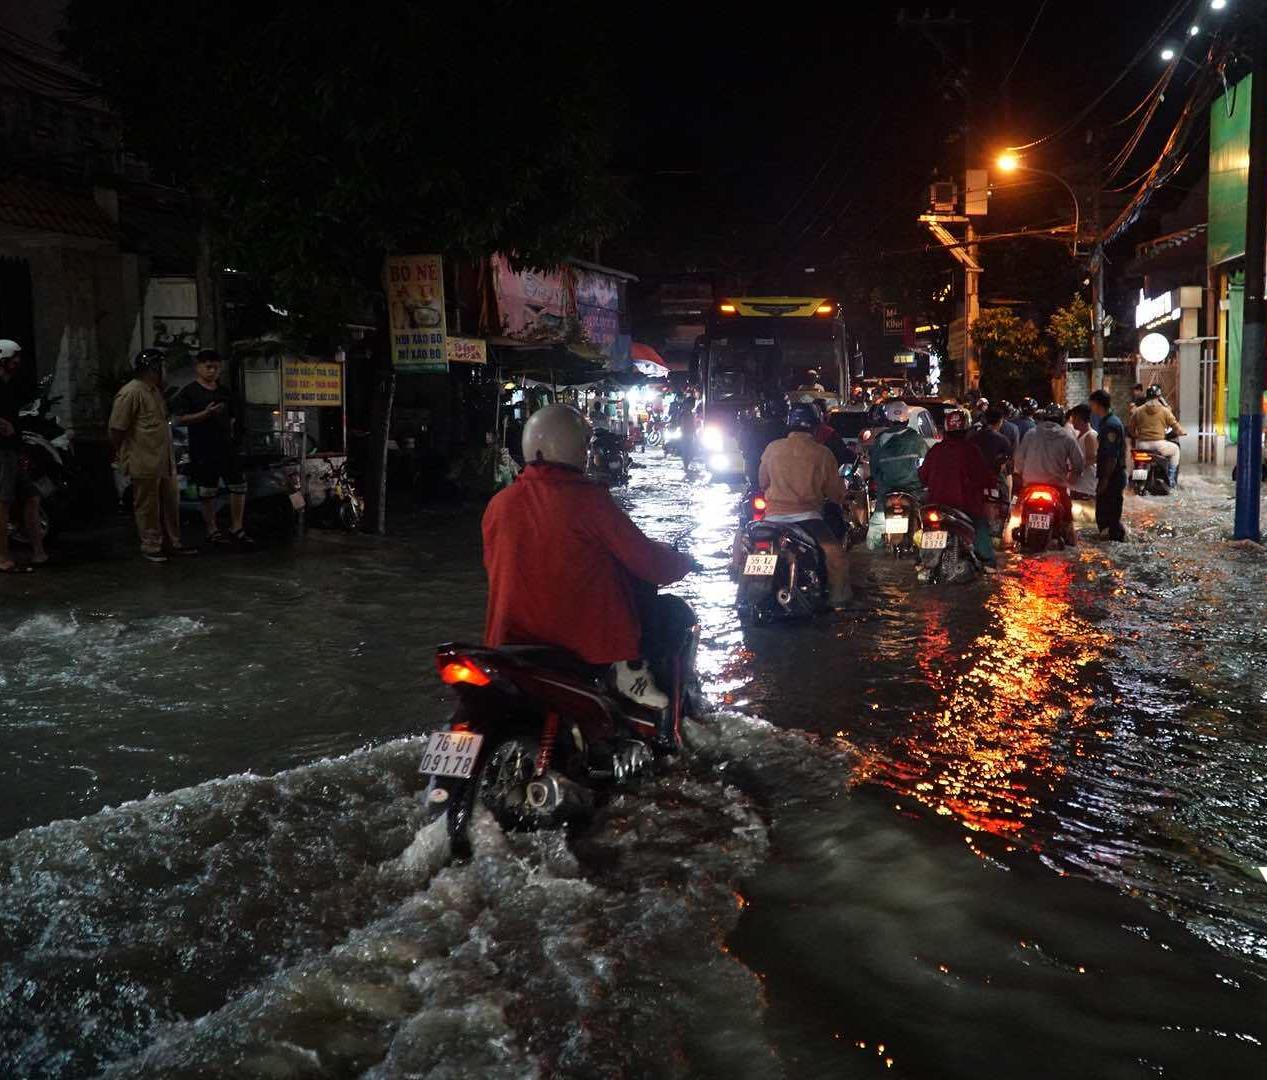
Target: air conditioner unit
944	197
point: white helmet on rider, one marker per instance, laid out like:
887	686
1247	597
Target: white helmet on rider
897	412
556	435
9	349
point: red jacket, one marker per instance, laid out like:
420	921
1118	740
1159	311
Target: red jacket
956	474
562	559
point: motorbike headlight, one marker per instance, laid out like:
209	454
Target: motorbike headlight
714	439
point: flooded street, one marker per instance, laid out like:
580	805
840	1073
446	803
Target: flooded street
1008	829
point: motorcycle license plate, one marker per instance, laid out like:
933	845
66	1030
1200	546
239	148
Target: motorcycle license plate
933	540
1040	521
896	526
1139	474
451	753
760	565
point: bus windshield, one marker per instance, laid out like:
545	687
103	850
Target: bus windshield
747	370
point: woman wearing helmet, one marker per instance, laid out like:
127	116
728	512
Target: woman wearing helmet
563	561
141	436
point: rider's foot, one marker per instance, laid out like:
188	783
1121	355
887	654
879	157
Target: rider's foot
634	681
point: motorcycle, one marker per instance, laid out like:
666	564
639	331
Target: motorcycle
946	546
1150	471
859	501
342	507
901	522
609	458
538	734
783	572
1043	518
653	432
48	461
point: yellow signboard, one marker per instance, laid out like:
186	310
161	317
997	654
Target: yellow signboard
462	350
312	382
415	303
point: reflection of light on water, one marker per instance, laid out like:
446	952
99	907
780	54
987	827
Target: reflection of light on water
984	753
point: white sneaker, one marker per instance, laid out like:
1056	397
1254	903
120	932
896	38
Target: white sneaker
634	681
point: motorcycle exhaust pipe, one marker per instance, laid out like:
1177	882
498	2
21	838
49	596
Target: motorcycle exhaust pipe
552	792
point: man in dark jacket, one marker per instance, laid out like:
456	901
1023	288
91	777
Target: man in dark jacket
1110	468
957	475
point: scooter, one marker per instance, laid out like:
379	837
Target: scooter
946	547
343	507
1043	518
48	460
901	523
1150	471
859	501
609	458
783	573
538	734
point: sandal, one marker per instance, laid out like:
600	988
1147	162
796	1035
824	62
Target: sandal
219	538
243	539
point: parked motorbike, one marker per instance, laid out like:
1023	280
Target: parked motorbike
946	546
1150	471
343	507
1043	518
609	458
901	522
538	734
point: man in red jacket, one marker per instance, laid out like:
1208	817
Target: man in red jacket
563	560
957	475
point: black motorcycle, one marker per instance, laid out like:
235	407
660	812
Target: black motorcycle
783	573
48	461
538	733
1150	471
341	506
901	522
947	553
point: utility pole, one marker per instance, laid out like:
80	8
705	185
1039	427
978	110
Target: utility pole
1249	438
971	306
1096	266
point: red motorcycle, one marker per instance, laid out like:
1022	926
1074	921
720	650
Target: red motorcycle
1044	517
538	732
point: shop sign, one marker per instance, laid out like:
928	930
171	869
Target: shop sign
415	300
1155	310
307	383
894	321
904	359
461	350
598	307
531	304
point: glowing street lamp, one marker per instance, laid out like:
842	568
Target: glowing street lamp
1008	161
1167	54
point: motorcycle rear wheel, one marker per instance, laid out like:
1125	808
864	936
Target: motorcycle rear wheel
1037	540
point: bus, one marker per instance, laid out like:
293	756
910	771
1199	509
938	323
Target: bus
757	354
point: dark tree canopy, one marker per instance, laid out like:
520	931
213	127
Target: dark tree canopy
325	135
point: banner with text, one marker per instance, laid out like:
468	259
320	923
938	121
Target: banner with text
532	305
308	383
464	350
415	300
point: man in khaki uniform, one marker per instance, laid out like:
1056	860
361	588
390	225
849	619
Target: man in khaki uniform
142	439
1150	423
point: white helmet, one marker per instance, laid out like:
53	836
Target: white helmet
557	434
897	412
9	349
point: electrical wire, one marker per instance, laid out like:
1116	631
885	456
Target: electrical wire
1132	143
1146	50
1024	44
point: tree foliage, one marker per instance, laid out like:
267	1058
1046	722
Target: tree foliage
1071	327
325	136
1012	361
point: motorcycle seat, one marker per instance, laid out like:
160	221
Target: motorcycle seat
555	658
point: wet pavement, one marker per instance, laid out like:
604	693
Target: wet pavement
1008	829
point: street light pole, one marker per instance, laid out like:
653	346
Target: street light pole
1249	437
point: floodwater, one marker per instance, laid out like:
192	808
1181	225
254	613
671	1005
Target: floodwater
1011	829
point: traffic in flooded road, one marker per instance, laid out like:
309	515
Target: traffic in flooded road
1011	828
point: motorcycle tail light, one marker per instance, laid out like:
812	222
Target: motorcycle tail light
1142	458
932	517
461	672
1043	497
763	545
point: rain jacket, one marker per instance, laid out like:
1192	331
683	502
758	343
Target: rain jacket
798	475
957	475
1049	455
1151	421
895	461
562	560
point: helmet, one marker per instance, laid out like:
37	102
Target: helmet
803	416
983	403
1153	393
557	434
9	349
1005	407
957	421
1029	406
148	360
1053	414
897	413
